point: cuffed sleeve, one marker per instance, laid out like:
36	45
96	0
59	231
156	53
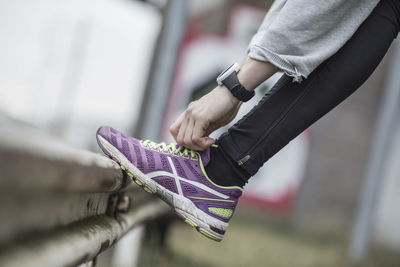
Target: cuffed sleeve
298	35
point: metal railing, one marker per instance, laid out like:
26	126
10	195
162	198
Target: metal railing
61	206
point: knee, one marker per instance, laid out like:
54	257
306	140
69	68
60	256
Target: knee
390	10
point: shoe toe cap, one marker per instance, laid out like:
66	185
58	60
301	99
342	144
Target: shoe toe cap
104	131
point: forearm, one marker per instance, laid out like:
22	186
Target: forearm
253	72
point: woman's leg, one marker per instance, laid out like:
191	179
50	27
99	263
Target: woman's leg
279	118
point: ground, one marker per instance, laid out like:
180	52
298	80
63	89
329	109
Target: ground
254	240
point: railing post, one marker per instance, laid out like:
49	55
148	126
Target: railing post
162	70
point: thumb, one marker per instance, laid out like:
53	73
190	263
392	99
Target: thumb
207	141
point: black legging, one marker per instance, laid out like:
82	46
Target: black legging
293	107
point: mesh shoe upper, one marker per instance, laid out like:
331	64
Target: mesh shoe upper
178	170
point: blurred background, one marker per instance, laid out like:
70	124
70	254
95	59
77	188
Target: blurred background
68	67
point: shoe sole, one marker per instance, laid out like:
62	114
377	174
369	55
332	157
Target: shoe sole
184	207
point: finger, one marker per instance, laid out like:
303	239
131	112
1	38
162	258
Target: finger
206	142
198	135
174	128
188	139
209	141
181	134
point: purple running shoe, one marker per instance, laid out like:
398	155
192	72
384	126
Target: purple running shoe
177	176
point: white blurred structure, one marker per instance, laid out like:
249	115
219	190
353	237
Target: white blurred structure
127	250
388	192
378	211
388	211
70	66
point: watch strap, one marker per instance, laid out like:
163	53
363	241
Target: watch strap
236	88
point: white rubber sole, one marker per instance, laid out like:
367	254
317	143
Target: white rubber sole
183	206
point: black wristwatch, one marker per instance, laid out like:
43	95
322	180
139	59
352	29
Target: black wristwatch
229	78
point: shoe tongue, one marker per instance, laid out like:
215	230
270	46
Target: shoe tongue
205	156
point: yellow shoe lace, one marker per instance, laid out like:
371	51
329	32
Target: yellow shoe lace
172	148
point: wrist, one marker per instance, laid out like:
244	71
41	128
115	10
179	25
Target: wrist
227	93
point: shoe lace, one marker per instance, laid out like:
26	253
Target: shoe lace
171	148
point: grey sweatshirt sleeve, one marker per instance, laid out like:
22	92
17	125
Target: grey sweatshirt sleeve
298	35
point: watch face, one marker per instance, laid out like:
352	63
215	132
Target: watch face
222	73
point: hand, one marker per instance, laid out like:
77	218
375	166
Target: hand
203	116
217	108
